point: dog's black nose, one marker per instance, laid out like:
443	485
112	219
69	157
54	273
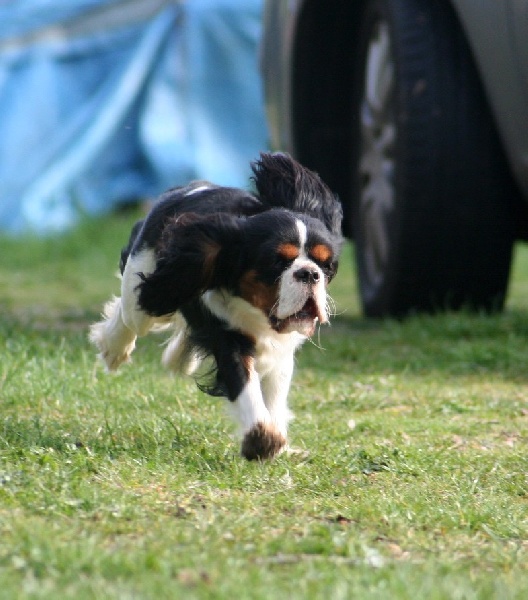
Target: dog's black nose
306	275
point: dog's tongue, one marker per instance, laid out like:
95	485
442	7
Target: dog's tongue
311	311
303	320
308	311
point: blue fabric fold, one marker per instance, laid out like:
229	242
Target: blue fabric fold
103	103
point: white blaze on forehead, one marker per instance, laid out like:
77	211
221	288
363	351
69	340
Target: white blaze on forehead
303	234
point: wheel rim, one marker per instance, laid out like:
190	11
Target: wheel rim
376	162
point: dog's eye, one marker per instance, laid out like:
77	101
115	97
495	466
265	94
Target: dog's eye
330	269
282	261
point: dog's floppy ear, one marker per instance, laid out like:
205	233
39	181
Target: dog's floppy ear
283	182
187	261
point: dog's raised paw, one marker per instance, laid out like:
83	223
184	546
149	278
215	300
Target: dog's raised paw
262	441
114	341
112	361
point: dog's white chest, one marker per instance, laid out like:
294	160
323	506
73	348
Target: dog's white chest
276	351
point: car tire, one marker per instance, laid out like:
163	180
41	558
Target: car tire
433	217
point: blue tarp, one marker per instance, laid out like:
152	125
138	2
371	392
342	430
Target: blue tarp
103	102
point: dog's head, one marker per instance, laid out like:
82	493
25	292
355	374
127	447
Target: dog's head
280	260
287	262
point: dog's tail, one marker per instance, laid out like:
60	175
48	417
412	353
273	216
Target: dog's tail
282	182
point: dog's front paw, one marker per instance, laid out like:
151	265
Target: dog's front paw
262	441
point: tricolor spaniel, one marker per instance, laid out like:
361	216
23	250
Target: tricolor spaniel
240	278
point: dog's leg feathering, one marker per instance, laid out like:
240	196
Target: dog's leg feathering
114	340
179	356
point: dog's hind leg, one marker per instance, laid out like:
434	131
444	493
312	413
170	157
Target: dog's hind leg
115	336
114	340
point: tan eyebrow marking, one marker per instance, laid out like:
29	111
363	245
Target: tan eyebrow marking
320	253
288	251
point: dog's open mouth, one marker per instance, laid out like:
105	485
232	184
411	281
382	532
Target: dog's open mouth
302	321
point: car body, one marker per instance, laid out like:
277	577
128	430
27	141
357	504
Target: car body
451	166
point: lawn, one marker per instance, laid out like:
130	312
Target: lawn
411	481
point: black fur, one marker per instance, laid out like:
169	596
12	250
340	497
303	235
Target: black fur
230	222
281	181
214	200
211	238
190	252
199	253
230	350
246	274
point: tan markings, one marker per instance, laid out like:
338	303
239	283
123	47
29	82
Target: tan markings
288	251
248	362
257	293
320	253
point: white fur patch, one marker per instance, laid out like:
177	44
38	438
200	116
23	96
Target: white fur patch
303	233
196	190
136	319
249	407
275	385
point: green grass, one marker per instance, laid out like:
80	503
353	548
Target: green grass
412	481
